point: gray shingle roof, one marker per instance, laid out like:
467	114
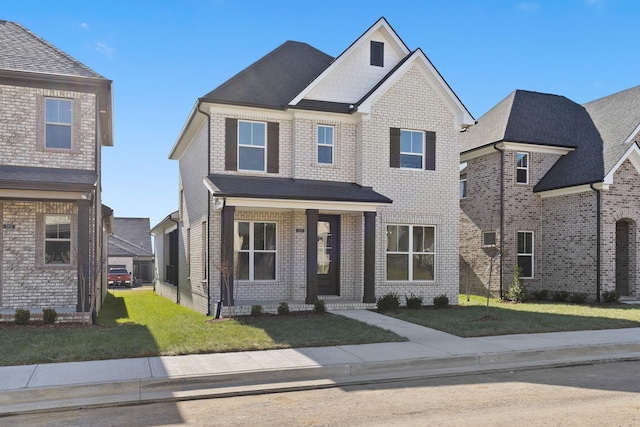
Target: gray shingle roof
294	189
48	179
544	119
21	50
130	237
275	79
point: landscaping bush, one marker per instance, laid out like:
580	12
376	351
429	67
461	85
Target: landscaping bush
389	302
256	310
610	296
578	298
319	307
22	316
283	308
49	316
413	301
559	296
441	301
517	291
541	295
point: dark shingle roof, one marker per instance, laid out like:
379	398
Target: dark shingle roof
130	237
21	50
275	79
544	119
294	189
48	179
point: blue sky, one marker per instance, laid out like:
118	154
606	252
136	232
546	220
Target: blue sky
163	55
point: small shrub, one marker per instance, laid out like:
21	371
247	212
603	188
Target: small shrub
256	310
389	302
517	291
413	302
578	298
22	316
319	307
541	295
283	308
441	301
560	296
610	296
49	316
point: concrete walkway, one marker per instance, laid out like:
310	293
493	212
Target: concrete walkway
427	353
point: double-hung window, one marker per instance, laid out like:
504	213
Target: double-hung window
325	145
488	239
255	250
252	139
411	149
525	253
522	168
58	123
463	185
57	240
411	252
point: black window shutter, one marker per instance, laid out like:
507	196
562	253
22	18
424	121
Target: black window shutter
394	147
430	152
273	147
231	145
377	54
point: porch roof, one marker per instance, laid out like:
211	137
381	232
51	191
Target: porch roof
46	179
290	189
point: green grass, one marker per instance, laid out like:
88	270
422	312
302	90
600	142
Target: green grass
470	319
139	324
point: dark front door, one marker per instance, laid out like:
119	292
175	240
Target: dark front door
328	255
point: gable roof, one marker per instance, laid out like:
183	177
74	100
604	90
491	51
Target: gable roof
130	237
275	79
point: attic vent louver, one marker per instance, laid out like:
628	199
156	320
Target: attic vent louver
377	54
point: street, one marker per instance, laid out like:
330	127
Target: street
598	395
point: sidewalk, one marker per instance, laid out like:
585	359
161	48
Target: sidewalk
427	353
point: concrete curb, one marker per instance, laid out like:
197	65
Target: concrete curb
148	390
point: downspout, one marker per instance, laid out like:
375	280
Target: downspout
598	226
178	261
208	209
495	146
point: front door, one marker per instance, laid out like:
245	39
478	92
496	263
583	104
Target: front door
328	255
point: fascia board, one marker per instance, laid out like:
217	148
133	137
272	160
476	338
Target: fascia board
287	204
41	194
536	148
633	154
193	123
633	134
381	23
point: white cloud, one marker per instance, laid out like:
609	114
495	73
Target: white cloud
105	49
528	6
84	26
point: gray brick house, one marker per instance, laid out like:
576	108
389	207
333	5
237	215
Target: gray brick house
553	186
306	176
55	115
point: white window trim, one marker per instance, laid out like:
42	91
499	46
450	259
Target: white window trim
264	149
332	145
463	180
532	254
251	251
70	124
422	154
411	253
46	239
523	168
495	239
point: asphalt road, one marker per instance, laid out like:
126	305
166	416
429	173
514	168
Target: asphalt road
599	395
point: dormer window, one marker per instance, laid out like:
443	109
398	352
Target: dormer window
377	54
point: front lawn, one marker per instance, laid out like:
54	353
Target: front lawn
470	319
137	323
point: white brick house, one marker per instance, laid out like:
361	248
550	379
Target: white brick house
553	186
55	115
320	177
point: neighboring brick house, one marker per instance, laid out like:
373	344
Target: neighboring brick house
55	115
554	187
130	246
308	176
